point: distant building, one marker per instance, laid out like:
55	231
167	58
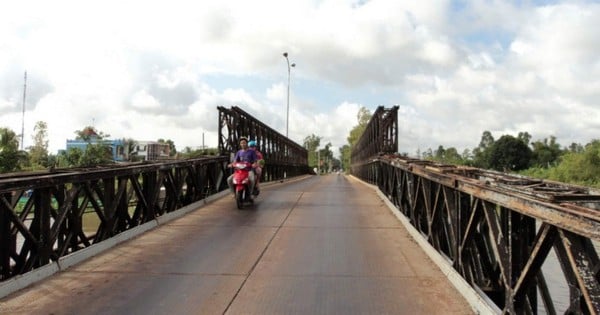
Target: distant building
117	147
151	150
89	136
143	150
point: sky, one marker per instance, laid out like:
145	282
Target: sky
159	69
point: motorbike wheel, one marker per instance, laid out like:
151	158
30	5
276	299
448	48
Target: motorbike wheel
239	199
249	196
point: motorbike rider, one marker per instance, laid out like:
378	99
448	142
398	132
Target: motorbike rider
243	155
258	165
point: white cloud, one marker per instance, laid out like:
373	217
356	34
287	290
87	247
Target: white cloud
159	69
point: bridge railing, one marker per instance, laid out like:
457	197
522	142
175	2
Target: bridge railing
380	136
498	230
284	157
47	215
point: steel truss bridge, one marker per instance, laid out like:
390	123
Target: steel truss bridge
497	230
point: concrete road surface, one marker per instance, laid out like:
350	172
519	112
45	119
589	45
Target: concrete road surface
321	245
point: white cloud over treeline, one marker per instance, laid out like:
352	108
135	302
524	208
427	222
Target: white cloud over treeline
159	69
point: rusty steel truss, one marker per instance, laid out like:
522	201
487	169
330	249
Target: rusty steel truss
380	136
47	215
283	156
497	230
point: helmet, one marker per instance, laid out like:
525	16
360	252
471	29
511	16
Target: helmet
252	143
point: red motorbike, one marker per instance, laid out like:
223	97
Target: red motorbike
241	183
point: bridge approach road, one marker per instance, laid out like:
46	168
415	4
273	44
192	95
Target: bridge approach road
319	245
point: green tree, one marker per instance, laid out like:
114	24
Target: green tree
439	154
546	152
481	153
89	134
452	156
509	154
448	156
580	168
311	143
38	153
345	155
72	157
97	152
467	157
325	156
363	116
575	148
427	154
524	136
10	156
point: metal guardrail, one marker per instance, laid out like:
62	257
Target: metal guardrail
47	215
497	230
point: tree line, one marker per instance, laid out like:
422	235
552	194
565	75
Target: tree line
96	152
545	159
323	159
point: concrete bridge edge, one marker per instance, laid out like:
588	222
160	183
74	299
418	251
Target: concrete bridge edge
22	281
479	302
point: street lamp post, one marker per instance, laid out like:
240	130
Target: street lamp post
287	119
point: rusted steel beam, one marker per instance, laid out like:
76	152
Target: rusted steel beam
502	227
499	243
70	175
543	244
578	219
582	266
7	240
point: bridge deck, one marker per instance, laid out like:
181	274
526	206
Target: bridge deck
322	245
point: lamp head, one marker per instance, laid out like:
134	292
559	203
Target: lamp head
285	54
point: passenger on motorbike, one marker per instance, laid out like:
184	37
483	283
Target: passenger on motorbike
258	165
243	155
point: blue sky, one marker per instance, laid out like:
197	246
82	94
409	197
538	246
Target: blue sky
159	69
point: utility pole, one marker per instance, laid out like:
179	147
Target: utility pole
23	117
287	115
